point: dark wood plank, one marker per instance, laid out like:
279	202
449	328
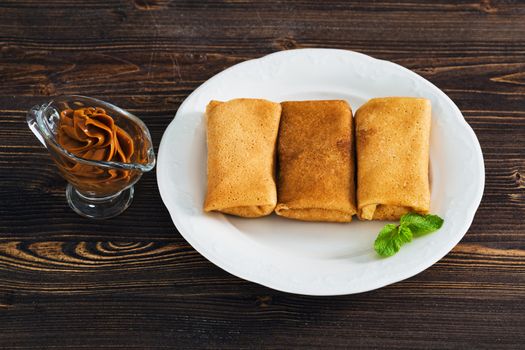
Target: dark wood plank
133	282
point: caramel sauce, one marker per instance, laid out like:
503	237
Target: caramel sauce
90	133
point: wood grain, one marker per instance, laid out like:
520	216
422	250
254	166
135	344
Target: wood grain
133	282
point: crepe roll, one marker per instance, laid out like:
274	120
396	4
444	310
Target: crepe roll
241	139
392	140
316	161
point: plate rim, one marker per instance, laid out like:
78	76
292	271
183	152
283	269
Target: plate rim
467	222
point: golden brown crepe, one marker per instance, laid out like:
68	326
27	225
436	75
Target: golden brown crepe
392	139
241	136
316	161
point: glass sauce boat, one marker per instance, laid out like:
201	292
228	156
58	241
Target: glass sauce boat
96	188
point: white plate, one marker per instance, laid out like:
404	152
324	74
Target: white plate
317	258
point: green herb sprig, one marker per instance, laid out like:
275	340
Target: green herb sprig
392	237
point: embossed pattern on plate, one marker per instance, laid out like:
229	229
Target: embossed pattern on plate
317	258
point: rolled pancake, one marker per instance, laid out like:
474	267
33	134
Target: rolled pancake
392	140
316	161
241	138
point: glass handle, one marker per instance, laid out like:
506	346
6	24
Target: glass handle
33	125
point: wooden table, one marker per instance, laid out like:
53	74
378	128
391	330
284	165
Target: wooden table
133	282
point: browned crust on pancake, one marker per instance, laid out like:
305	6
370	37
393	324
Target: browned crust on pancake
316	161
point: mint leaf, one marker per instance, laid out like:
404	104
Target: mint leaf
405	234
421	224
391	238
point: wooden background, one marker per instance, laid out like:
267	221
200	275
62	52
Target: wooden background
133	282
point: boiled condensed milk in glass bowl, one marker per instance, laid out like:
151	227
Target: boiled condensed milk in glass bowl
100	149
